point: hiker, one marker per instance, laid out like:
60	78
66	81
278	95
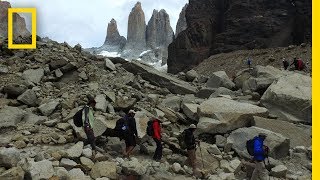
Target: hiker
88	119
130	132
259	155
295	63
249	62
157	138
285	64
190	142
300	65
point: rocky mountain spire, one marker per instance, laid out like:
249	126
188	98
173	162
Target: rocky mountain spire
19	22
159	32
113	37
136	28
182	21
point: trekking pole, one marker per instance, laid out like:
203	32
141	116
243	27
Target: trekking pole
201	155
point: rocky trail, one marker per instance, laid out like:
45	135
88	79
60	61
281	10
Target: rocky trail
41	90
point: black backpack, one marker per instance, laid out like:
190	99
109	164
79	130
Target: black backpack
77	118
250	146
149	130
182	140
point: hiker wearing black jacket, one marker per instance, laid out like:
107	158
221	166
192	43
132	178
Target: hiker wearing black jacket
130	132
190	141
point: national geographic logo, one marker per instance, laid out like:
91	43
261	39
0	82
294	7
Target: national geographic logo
33	12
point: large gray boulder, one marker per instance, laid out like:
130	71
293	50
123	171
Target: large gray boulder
77	174
9	157
290	97
299	135
104	169
10	116
267	72
259	85
220	115
40	170
134	167
15	173
160	79
33	75
29	97
102	103
75	151
48	108
14	90
190	110
210	162
31	118
109	64
279	145
220	79
172	102
141	122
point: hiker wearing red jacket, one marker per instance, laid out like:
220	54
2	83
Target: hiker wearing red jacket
157	138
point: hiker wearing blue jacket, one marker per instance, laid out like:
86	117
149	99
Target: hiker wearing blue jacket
260	153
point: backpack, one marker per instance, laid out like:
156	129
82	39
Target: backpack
250	146
181	139
77	118
149	130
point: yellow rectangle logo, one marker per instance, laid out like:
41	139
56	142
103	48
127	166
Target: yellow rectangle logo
33	12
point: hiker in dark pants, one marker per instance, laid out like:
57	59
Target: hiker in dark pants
157	138
130	132
191	148
88	119
249	62
285	64
260	171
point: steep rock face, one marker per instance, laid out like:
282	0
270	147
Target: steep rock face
159	32
136	28
182	22
19	23
216	26
113	37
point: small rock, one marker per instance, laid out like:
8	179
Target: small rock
58	73
63	126
48	108
87	152
20	144
57	156
300	149
51	123
86	162
176	167
104	169
67	163
83	75
213	149
279	171
220	141
15	173
109	65
235	164
75	151
29	97
9	157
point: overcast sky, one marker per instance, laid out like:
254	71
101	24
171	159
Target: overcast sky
85	22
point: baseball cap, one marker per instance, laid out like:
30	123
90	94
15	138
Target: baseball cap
132	111
192	126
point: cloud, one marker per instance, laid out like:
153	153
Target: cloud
85	22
